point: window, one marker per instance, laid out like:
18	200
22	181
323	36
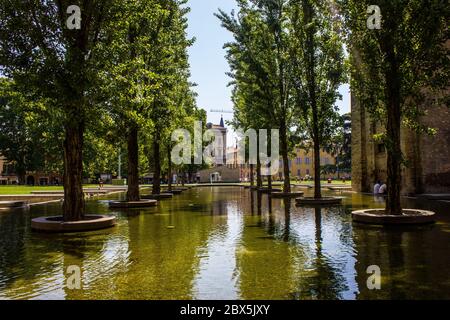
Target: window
298	173
380	148
307	161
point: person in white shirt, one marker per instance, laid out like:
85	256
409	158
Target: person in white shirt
383	189
376	188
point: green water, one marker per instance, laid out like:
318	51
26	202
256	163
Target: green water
223	243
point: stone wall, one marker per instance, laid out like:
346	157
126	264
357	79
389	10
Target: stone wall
428	158
435	152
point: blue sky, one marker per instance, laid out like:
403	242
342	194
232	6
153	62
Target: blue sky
208	63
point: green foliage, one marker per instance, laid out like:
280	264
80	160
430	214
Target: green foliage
317	55
399	72
259	63
412	39
287	63
37	50
29	138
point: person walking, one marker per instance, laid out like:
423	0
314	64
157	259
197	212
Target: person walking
376	187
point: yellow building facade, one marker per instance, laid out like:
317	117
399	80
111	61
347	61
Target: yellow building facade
301	165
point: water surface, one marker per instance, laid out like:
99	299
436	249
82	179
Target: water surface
227	243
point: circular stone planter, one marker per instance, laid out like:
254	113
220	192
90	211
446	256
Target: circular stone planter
57	225
133	204
286	194
322	201
157	196
175	191
408	216
267	190
13	204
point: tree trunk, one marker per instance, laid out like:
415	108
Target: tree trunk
259	182
73	206
287	219
21	175
318	232
269	164
394	152
133	165
311	77
269	180
169	168
284	155
259	203
252	177
157	166
21	170
317	186
252	203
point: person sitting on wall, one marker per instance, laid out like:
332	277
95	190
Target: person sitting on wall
383	189
376	187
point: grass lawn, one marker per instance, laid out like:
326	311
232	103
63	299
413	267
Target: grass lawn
293	181
324	182
14	189
26	189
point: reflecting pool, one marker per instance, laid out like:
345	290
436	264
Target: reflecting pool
228	243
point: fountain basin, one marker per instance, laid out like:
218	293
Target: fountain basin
157	196
57	225
408	216
267	190
320	201
13	204
175	191
286	194
133	204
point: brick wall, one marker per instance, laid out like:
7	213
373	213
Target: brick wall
428	158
